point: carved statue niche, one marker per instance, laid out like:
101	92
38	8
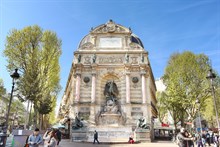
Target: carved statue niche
111	91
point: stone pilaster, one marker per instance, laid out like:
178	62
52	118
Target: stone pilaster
127	80
93	92
78	82
128	87
143	87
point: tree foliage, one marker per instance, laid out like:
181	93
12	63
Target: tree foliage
36	53
185	81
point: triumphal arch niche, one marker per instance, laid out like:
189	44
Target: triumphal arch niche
110	87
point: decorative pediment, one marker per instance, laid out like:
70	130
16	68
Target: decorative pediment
110	27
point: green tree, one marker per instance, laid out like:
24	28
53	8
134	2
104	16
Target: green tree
185	80
2	89
161	106
36	53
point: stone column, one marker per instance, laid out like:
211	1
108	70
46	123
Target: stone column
143	81
77	94
93	88
128	88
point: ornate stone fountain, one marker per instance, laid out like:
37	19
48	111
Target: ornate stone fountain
110	114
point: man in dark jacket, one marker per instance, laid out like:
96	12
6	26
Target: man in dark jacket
208	136
182	139
58	134
95	137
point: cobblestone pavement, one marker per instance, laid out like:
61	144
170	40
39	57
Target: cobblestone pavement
67	143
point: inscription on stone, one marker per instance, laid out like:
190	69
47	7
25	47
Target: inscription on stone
111	60
136	109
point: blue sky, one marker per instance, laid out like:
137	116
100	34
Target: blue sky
164	26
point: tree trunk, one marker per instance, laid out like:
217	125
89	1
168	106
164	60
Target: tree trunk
35	116
27	120
41	121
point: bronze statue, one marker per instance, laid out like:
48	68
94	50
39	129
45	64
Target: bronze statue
78	123
142	58
126	58
79	58
142	123
94	58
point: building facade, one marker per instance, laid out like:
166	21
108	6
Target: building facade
110	87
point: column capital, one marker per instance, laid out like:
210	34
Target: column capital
77	74
93	73
143	72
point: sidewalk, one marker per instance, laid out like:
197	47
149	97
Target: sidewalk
67	143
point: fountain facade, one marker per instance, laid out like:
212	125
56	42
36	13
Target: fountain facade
110	87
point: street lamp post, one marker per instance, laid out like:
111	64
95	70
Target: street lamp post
14	76
200	123
212	76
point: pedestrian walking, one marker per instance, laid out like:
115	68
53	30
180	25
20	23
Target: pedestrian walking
95	137
208	137
199	140
35	139
59	135
216	141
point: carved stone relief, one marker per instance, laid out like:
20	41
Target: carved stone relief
134	69
110	70
135	46
87	45
109	27
87	60
134	60
88	69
